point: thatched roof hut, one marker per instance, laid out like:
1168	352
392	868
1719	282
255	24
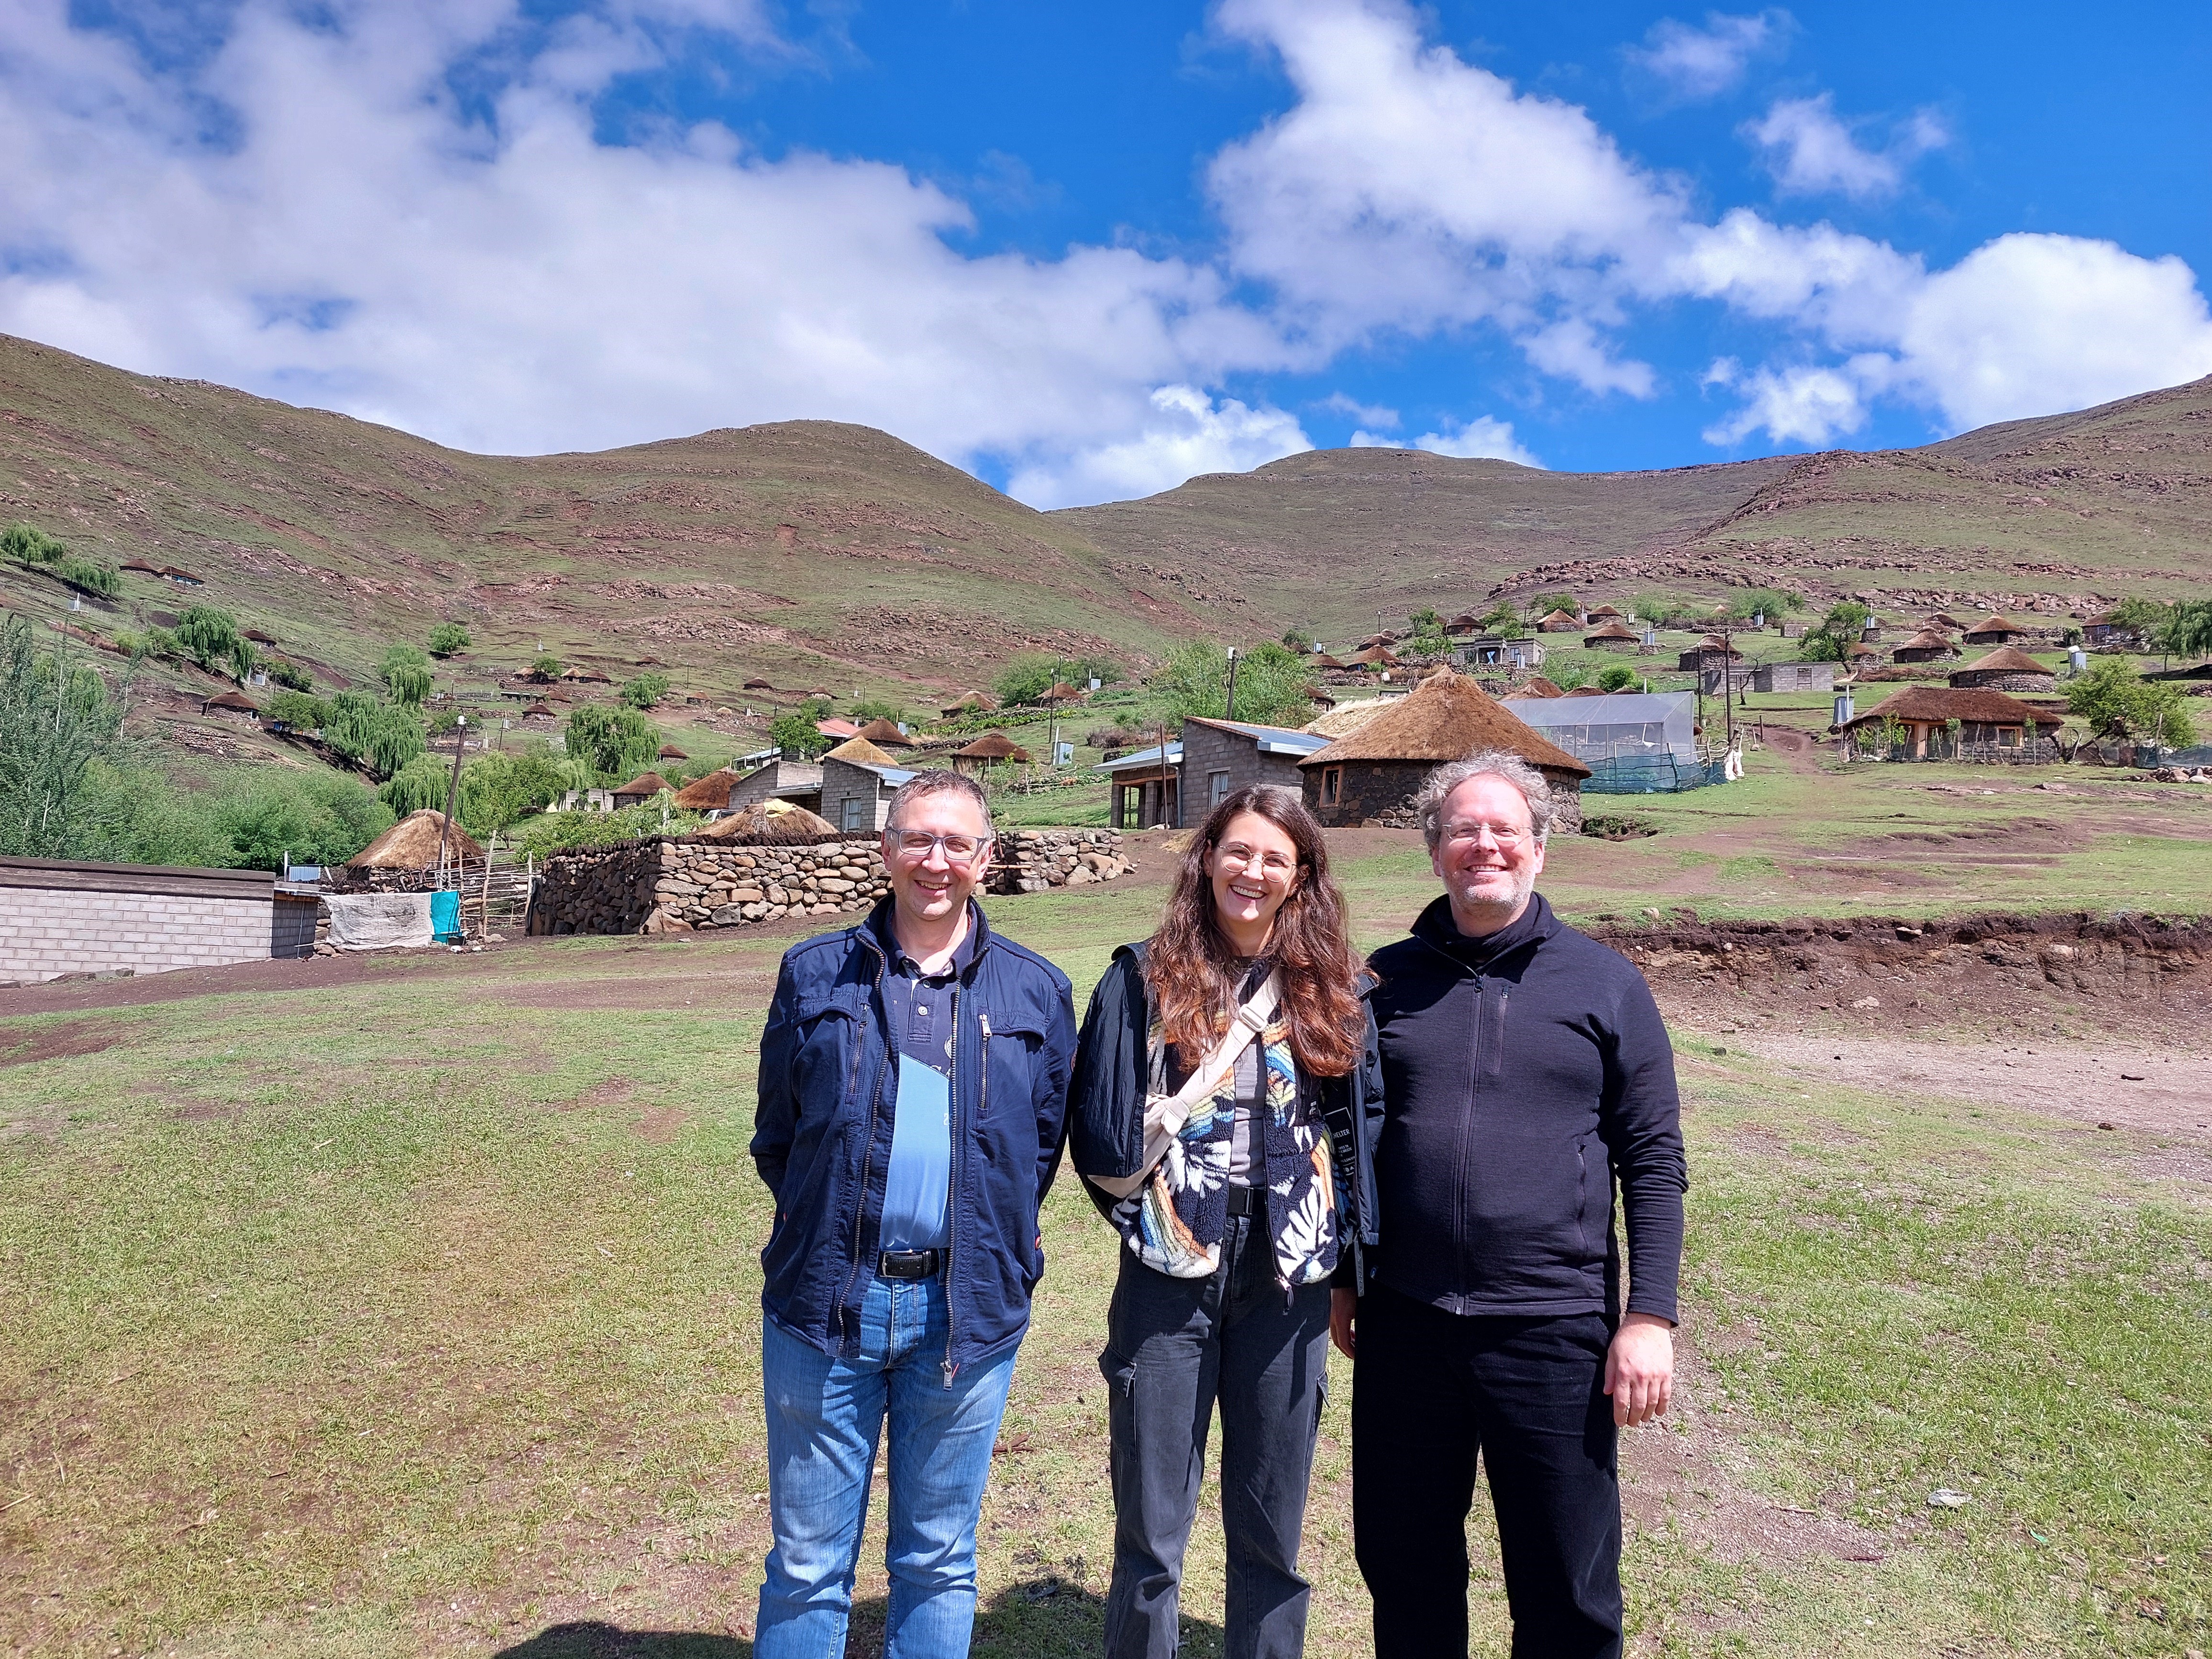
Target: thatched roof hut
1372	774
1559	621
1376	656
861	752
642	788
1929	645
2005	670
885	734
1613	636
670	752
1608	612
1996	628
756	683
412	844
708	794
773	821
1535	686
1323	659
1347	718
970	702
992	747
230	702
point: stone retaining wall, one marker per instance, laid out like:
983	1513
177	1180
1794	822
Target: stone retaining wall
669	885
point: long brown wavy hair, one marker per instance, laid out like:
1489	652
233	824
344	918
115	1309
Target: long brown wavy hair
1190	965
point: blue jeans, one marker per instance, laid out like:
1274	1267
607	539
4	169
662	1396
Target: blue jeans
824	1416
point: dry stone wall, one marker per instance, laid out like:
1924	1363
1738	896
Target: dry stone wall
675	886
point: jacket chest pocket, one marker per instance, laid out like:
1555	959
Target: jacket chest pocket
826	1060
1011	1043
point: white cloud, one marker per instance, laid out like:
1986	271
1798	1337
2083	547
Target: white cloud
496	275
1188	433
518	285
1338	403
1694	63
1801	405
2029	324
1407	190
1811	151
1484	437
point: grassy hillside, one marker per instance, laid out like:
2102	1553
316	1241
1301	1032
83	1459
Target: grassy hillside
2065	512
812	554
808	553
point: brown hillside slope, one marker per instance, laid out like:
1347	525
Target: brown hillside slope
2056	510
811	551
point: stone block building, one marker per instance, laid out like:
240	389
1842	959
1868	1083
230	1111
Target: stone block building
1222	756
60	917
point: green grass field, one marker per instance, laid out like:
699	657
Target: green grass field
418	1313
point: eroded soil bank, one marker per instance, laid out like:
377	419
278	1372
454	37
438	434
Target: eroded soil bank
2142	975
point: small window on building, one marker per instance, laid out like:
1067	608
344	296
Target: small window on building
1332	784
2008	737
1217	788
855	816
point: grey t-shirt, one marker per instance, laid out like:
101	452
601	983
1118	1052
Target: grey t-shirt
1248	1145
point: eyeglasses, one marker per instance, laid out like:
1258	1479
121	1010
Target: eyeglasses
919	844
1270	863
1505	834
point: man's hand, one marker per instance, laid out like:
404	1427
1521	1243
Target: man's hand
1639	1368
1343	1310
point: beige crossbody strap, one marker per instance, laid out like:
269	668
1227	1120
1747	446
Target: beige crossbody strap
1165	1114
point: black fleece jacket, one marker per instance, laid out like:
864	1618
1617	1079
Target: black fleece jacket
1524	1074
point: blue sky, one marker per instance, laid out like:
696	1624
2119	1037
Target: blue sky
1087	259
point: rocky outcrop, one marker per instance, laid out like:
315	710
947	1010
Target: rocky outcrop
675	886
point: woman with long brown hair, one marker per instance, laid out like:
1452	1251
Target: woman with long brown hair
1225	1091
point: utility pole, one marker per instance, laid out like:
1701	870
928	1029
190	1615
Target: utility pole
1231	712
453	790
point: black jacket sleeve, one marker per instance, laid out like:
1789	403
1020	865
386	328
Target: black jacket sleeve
1641	1120
1106	1096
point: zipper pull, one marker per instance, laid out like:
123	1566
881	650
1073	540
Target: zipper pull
948	1368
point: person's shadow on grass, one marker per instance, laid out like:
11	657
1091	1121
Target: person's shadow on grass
1041	1617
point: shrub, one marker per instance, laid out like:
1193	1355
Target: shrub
645	691
1273	687
793	732
28	544
1769	601
210	638
546	666
2115	702
448	637
88	574
56	720
259	814
498	790
1839	631
1618	677
1298	639
617	743
299	711
381	736
1026	678
405	672
419	784
2187	631
879	708
290	674
560	832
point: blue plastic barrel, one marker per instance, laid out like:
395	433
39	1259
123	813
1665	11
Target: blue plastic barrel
445	917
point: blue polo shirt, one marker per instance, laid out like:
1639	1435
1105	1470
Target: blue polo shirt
918	1185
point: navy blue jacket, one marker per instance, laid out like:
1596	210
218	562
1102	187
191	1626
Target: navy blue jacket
1524	1074
822	1135
1113	1069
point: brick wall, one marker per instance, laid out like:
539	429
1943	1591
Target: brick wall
60	918
1380	794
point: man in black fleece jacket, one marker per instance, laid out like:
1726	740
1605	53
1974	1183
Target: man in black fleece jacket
1526	1070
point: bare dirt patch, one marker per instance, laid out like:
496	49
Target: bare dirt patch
1687	1474
2139	1089
82	1036
661	1124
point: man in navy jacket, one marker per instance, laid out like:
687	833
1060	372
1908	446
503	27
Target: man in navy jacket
1525	1072
913	1082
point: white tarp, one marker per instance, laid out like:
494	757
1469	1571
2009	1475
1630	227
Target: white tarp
378	921
1623	726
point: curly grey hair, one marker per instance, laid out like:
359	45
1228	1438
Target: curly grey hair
1534	788
922	785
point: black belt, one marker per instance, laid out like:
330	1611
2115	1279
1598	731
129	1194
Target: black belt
1247	1200
909	1264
